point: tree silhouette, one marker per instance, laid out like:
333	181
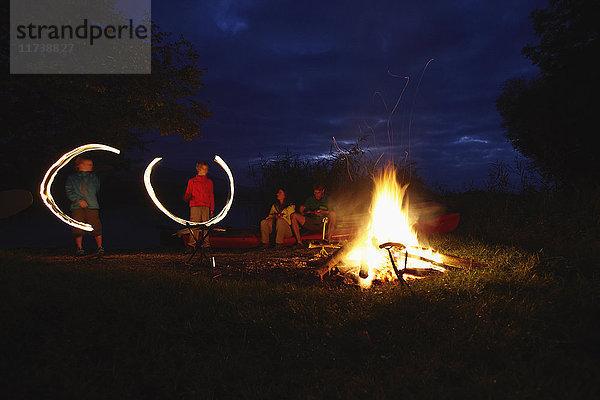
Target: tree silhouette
551	119
45	115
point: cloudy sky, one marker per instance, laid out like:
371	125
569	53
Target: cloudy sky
293	74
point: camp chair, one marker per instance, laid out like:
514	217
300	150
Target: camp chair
200	239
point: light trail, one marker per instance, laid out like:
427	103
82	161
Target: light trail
46	185
182	221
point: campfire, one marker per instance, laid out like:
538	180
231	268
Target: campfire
389	248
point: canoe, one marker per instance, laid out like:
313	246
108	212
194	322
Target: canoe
247	238
442	224
14	201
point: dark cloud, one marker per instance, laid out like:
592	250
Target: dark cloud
290	75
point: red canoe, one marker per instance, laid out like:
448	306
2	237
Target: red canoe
245	238
442	224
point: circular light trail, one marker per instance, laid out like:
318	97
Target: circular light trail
182	221
46	185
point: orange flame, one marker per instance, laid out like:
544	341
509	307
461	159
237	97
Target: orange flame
389	223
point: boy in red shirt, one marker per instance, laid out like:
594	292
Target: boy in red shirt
199	193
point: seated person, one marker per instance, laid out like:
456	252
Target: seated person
280	215
312	212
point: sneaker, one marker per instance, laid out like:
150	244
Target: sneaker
80	252
100	251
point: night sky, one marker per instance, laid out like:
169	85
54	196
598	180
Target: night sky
290	75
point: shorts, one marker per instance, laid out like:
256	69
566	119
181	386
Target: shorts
89	215
313	224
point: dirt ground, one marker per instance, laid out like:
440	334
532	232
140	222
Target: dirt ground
289	264
274	264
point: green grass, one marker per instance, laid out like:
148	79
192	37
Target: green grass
517	329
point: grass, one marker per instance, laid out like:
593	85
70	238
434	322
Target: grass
518	328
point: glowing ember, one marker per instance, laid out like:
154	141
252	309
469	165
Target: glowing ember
389	223
182	221
46	185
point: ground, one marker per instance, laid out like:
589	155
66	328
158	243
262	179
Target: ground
261	324
278	265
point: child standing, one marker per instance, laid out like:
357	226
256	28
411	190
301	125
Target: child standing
199	193
82	188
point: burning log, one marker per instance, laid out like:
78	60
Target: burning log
388	246
389	228
444	262
324	266
448	261
458	262
400	247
